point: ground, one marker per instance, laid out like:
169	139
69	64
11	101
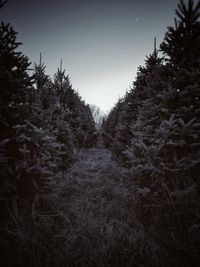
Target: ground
99	205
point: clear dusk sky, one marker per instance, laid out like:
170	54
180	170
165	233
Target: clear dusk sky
100	42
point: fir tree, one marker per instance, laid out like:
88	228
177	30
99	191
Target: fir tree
181	42
40	78
132	103
14	86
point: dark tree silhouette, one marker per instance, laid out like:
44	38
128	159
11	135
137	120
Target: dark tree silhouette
181	42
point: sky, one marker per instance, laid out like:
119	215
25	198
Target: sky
101	42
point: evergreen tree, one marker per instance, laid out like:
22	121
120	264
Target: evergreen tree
13	76
131	105
14	86
77	114
164	151
181	42
109	126
2	3
39	76
42	84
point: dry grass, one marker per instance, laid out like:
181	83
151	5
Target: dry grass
92	222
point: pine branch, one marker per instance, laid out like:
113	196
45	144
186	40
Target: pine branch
2	3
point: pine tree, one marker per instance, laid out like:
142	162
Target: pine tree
109	126
43	84
14	86
40	78
132	103
2	3
13	76
181	42
152	110
167	94
163	150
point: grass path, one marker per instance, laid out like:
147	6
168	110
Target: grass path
99	206
97	184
